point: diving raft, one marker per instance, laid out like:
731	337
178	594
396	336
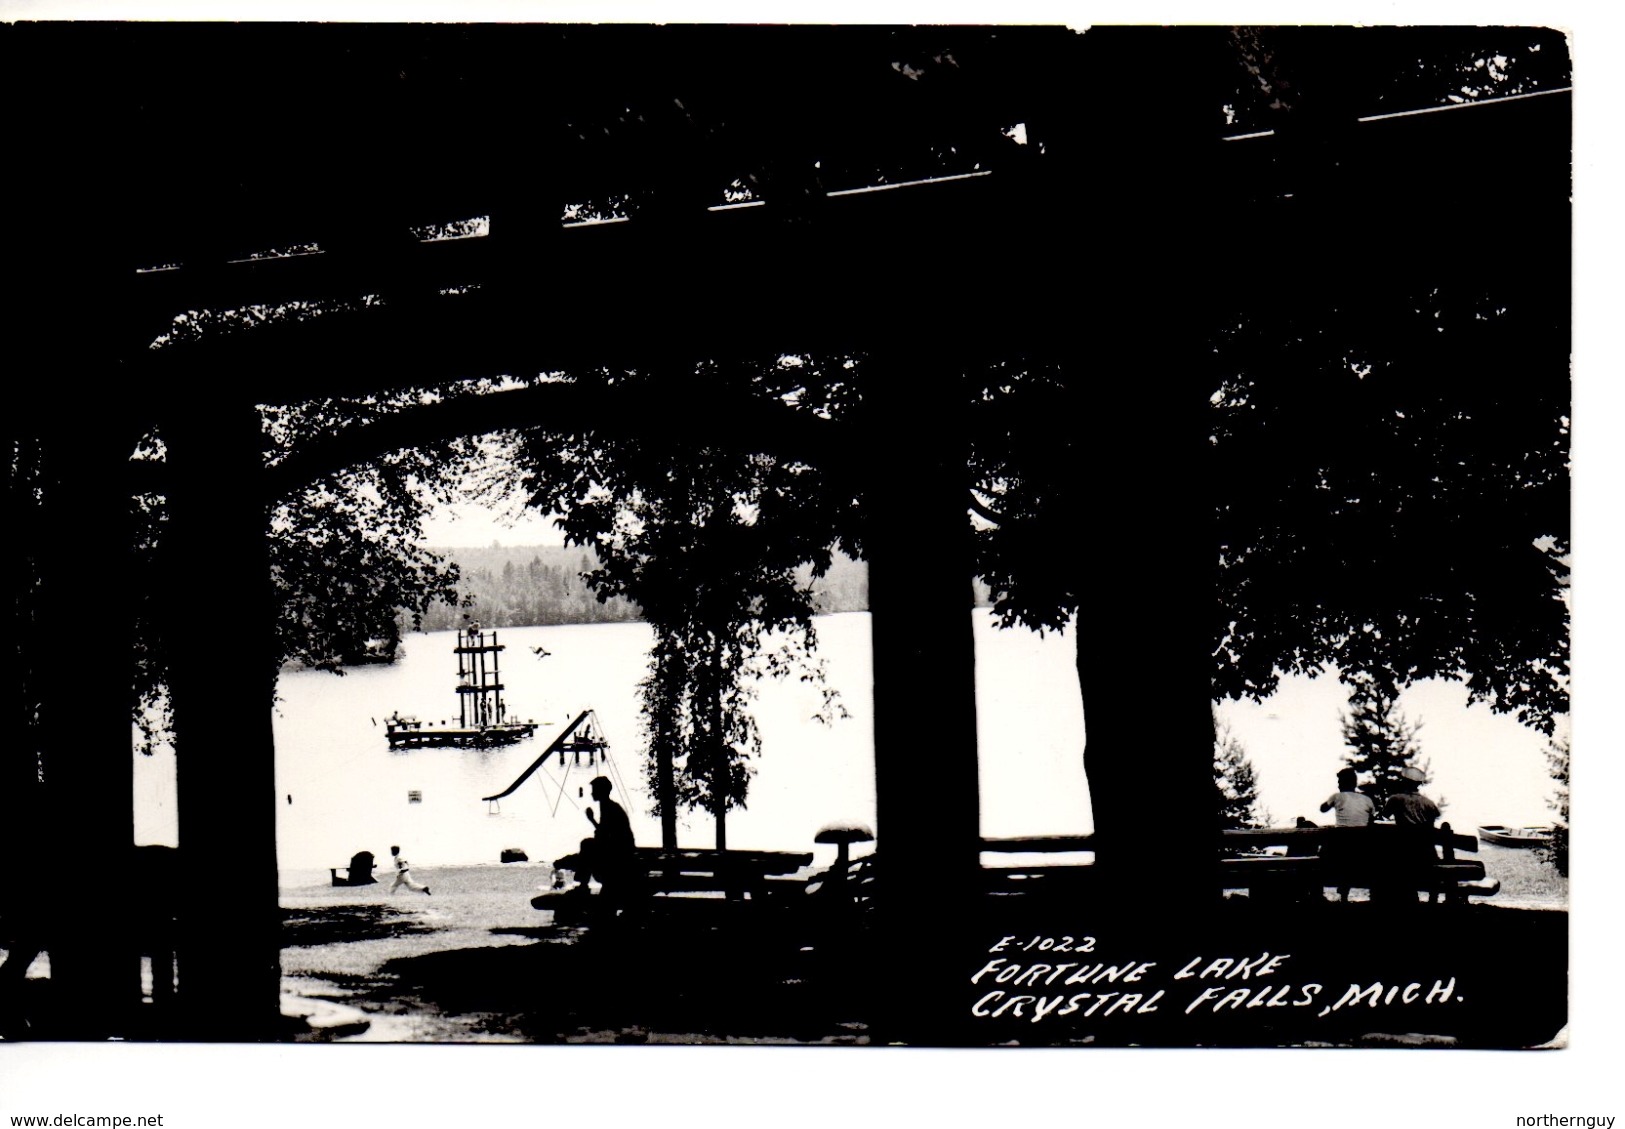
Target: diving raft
483	720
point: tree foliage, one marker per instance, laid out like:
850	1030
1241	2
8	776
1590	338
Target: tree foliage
1235	783
714	541
347	559
1557	766
1286	71
524	586
346	562
1381	741
1394	497
1388	424
1030	505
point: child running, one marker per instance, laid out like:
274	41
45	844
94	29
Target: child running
403	873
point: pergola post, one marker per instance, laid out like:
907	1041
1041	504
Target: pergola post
222	683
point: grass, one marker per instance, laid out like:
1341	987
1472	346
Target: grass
1527	877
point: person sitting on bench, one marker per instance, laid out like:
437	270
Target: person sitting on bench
1408	808
1354	809
608	854
1414	816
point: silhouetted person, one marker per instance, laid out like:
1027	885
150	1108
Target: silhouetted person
1354	809
403	873
608	855
1414	816
1408	808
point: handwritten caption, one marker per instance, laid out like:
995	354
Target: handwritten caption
1036	979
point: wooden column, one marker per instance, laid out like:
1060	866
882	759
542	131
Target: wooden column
76	749
222	681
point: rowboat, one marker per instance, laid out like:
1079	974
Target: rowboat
1503	836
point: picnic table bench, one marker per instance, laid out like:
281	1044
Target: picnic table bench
734	874
1299	860
1380	857
731	875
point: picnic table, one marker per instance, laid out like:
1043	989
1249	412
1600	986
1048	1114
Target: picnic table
1381	857
1273	862
729	875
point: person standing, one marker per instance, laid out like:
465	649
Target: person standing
403	873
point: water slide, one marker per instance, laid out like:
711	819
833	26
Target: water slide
558	743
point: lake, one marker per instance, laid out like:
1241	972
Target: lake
341	789
349	792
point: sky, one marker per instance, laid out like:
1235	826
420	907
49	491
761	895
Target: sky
470	524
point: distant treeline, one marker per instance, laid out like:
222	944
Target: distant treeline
542	585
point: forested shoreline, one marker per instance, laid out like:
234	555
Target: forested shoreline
544	586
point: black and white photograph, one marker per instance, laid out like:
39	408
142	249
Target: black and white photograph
923	535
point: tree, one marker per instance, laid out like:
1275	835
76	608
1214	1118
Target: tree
1235	783
1391	430
346	558
1364	450
713	542
1557	761
1381	741
1422	530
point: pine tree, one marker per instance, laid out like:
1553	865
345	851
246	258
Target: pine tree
1235	782
1381	741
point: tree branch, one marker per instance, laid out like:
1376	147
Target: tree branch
982	511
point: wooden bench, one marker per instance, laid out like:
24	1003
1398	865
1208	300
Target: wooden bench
1314	859
1302	860
732	875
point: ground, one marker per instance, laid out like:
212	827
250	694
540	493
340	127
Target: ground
473	962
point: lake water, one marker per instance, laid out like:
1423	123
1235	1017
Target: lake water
341	789
349	792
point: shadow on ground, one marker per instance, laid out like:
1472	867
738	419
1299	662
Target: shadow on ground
330	924
1022	972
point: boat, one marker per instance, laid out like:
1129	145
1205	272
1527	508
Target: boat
1503	836
373	652
483	720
